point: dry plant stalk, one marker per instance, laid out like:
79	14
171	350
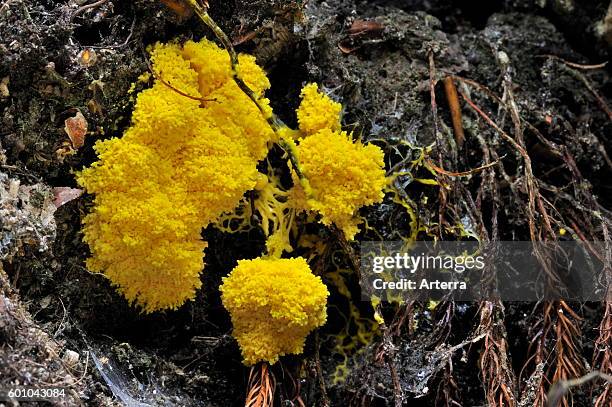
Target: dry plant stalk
602	357
497	375
453	102
558	321
261	387
568	361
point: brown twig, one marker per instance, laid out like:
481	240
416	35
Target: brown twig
85	8
159	77
386	354
261	387
453	102
560	388
498	377
179	7
564	326
568	362
448	390
575	65
602	356
600	100
5	5
463	173
528	172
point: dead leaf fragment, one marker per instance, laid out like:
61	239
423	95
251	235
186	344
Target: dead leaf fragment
63	195
4	90
179	7
87	58
76	128
360	27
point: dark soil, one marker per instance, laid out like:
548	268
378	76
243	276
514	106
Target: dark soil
51	306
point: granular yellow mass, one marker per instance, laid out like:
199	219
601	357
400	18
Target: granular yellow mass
189	156
274	305
344	176
182	163
317	111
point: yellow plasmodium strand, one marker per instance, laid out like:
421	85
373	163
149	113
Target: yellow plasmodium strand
179	166
357	334
274	304
277	215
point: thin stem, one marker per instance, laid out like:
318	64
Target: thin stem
275	123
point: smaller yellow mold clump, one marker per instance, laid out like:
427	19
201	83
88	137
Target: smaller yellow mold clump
274	305
342	175
317	111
